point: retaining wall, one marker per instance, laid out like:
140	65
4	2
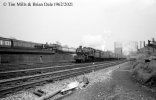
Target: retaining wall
33	58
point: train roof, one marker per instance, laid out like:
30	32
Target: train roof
18	40
5	38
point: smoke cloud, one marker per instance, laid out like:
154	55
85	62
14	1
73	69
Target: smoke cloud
94	41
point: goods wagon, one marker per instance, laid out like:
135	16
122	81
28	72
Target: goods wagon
4	42
112	56
102	54
107	55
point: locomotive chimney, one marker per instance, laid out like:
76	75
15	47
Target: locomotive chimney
149	42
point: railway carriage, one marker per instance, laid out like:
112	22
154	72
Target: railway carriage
4	42
13	43
23	44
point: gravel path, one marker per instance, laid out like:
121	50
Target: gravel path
114	83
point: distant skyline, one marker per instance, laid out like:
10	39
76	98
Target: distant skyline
88	22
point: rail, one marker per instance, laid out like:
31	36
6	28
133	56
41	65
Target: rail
20	83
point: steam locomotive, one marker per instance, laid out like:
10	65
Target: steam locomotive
88	54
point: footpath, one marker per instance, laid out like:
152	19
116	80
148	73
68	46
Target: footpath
114	83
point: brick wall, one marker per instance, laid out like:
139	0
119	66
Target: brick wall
33	58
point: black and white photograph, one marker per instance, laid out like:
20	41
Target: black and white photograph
77	49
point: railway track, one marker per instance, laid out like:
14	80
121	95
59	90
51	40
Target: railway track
11	67
15	84
40	70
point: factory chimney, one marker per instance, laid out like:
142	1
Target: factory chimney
140	44
153	40
144	44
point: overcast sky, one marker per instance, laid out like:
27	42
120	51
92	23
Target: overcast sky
96	23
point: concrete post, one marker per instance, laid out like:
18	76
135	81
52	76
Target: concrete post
0	59
41	61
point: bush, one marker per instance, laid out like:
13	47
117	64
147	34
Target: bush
145	72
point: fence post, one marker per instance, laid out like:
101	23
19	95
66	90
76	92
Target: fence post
0	59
